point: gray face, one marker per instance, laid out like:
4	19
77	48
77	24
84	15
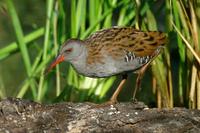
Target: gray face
72	49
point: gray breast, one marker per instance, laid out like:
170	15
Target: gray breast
112	67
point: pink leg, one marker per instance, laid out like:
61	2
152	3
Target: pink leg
139	78
113	99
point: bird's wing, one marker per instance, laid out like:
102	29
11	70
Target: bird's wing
117	42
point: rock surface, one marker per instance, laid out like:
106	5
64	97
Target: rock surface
21	116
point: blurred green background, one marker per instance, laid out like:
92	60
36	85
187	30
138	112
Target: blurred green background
31	33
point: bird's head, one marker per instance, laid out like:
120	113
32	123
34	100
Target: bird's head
70	50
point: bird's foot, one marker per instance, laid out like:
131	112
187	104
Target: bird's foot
134	100
105	104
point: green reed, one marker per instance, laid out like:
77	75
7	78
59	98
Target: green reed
80	18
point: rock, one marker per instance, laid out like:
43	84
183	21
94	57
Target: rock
21	116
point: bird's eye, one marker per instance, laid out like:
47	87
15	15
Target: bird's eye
68	50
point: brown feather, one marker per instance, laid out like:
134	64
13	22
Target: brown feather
114	41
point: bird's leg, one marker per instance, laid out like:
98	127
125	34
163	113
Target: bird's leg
141	73
138	80
113	99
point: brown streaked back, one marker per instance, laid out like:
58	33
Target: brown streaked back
114	41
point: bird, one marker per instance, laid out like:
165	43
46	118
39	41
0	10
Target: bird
112	51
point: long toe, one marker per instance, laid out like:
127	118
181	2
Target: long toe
134	100
106	104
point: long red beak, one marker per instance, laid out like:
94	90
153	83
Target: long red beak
59	59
